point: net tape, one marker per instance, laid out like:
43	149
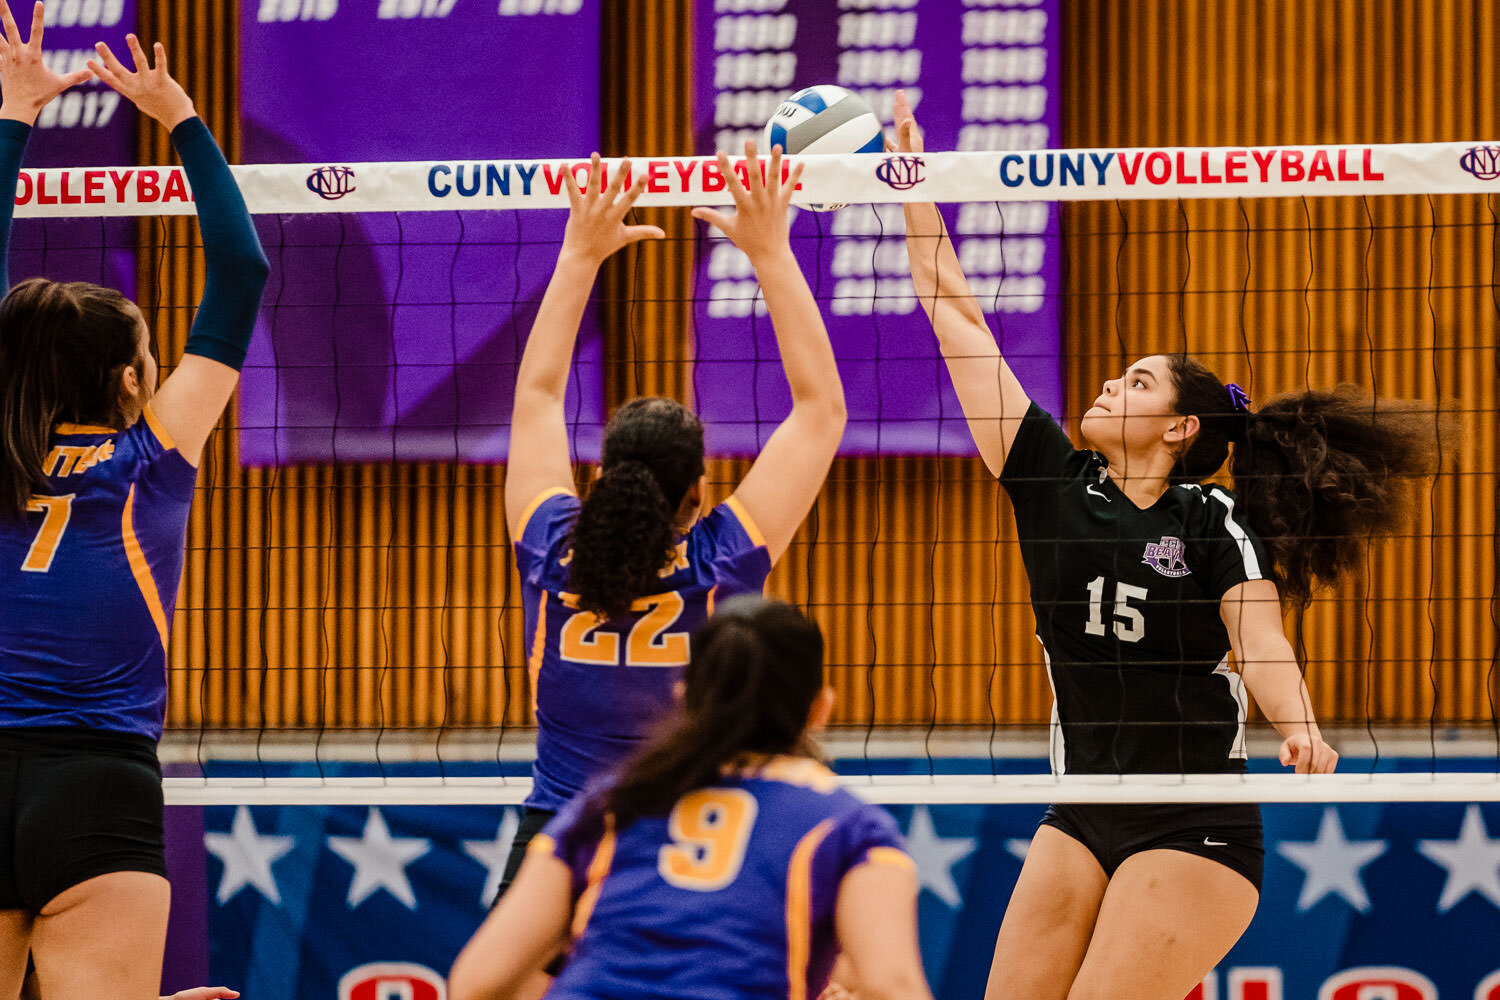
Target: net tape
1047	175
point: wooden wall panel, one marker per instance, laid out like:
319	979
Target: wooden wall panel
365	596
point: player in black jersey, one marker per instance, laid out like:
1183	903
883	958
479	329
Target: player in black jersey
1143	580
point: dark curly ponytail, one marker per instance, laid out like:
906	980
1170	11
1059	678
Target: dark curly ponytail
653	454
1317	472
756	668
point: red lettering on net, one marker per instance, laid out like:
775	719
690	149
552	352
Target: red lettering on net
24	185
656	177
68	197
176	187
147	185
1183	177
93	187
121	180
1234	166
713	178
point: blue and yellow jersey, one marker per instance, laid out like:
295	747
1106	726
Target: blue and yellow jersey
599	685
731	895
88	581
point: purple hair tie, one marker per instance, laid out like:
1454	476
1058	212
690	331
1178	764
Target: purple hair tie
1238	398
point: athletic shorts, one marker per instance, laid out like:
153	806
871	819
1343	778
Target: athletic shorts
75	803
1228	834
532	822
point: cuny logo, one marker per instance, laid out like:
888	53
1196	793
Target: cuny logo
1482	161
331	183
901	173
392	981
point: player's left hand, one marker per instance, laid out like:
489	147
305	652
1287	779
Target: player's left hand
27	81
1308	754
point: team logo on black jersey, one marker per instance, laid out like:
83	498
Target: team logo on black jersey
1166	556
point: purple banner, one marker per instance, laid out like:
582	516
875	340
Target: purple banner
396	336
980	76
88	126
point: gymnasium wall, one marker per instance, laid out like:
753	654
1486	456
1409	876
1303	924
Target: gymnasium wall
384	595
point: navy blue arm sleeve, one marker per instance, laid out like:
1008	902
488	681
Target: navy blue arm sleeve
235	266
13	136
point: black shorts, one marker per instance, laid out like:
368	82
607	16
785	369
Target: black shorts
532	821
75	803
1228	834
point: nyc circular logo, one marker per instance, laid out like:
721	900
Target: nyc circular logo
1482	161
901	173
331	183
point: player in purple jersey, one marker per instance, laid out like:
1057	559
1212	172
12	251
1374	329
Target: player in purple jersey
723	861
614	585
1144	579
96	477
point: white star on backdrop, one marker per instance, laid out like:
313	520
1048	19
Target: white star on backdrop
1472	861
935	856
379	861
248	857
1331	863
493	854
1018	846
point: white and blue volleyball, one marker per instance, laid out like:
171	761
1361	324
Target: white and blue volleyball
824	119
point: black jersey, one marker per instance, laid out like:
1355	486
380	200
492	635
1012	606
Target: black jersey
1127	610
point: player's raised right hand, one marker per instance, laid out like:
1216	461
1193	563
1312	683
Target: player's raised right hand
596	214
27	81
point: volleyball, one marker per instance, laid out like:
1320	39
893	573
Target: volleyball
824	119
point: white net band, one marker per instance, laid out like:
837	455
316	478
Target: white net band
870	178
1010	789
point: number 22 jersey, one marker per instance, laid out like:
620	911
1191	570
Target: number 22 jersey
1127	610
600	686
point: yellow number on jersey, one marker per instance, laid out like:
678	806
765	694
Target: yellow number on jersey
58	511
710	829
648	645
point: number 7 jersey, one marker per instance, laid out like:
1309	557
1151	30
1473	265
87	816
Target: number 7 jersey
600	686
88	581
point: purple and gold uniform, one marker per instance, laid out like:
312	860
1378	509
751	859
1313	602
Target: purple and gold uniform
732	895
88	581
601	685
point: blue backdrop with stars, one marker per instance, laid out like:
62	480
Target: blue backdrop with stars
300	896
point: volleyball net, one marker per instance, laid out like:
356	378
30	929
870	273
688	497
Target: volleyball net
350	593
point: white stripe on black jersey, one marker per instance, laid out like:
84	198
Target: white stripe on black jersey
1127	610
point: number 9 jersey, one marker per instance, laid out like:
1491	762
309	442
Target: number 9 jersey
88	581
1127	610
600	686
732	895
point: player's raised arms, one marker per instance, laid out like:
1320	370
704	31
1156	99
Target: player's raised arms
993	399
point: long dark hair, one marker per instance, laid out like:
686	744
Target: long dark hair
653	454
1317	472
63	347
756	668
